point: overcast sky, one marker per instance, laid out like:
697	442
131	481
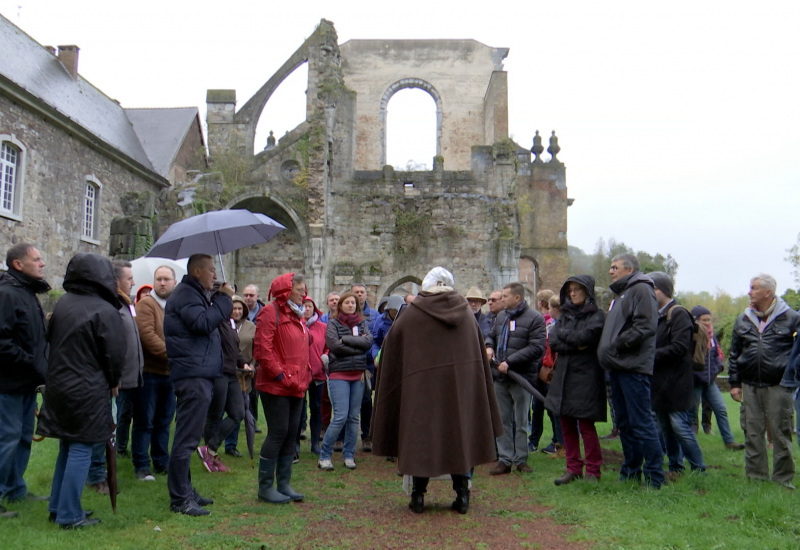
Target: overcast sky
679	122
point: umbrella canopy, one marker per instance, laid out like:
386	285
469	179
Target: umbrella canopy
144	269
216	232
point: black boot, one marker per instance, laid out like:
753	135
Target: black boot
266	477
461	487
417	503
284	475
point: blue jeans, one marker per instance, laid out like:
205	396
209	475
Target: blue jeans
676	428
514	403
638	433
710	392
97	466
17	417
346	403
72	467
152	417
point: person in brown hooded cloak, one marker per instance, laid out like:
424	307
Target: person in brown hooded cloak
435	407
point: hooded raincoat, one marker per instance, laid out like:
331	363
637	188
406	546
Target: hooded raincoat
435	407
578	388
281	344
87	348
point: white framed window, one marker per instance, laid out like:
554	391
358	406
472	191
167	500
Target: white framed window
90	229
12	170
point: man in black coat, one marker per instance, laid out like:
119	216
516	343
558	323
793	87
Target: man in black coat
23	363
673	383
516	342
627	350
88	346
191	330
763	379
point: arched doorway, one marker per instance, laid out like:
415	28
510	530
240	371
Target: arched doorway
287	252
529	277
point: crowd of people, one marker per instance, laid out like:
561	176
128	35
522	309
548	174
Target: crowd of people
431	381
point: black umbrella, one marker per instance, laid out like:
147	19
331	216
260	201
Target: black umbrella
249	421
215	233
111	469
527	386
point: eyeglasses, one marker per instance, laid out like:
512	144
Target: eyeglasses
493	300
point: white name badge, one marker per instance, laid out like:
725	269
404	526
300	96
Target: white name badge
133	310
512	326
355	331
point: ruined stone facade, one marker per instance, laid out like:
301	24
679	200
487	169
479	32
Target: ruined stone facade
485	209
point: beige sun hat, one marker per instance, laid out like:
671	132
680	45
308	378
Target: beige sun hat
474	293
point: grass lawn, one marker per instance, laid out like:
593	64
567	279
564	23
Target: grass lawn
365	508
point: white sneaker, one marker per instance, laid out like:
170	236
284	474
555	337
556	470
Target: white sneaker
350	463
145	475
325	465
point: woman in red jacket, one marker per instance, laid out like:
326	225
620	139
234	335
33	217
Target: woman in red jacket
281	349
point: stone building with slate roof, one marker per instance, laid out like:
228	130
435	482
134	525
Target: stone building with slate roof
74	163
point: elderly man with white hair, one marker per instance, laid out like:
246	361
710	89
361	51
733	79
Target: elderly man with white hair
762	342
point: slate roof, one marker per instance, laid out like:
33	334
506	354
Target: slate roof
29	66
162	132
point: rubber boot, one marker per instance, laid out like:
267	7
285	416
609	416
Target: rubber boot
266	477
461	487
284	475
417	504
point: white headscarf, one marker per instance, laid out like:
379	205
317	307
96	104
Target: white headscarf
438	277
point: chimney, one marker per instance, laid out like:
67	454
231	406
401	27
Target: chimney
68	55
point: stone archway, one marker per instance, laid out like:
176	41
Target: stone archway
404	285
289	251
401	85
529	277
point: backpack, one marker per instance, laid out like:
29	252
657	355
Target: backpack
699	339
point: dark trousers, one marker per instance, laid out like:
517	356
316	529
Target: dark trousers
537	418
638	433
315	412
152	417
193	398
226	399
366	411
125	405
283	421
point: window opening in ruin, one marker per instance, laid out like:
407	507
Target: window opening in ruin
527	276
285	109
411	130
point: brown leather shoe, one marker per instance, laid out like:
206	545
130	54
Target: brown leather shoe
524	468
567	477
733	446
500	468
614	434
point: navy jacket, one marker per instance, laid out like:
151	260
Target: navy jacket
191	323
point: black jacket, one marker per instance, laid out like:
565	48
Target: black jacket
628	342
578	388
232	357
672	385
191	321
23	341
87	345
760	358
347	352
526	343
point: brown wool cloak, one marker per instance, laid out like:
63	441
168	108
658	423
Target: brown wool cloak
435	406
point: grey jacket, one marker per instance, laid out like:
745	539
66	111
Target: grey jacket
131	367
628	342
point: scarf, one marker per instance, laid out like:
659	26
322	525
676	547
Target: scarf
298	310
504	334
313	319
349	319
764	315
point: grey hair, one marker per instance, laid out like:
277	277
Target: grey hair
119	265
254	286
767	281
629	261
298	278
